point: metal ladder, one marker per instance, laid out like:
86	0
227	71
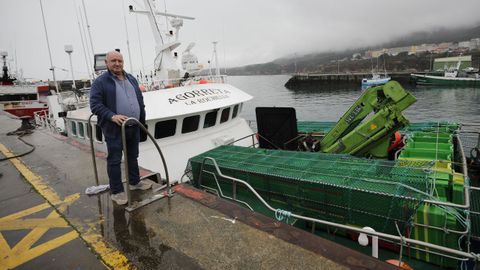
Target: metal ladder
157	195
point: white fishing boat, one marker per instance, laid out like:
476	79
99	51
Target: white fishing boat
185	113
376	78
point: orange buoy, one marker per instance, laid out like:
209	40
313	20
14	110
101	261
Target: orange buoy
142	87
202	81
396	141
400	264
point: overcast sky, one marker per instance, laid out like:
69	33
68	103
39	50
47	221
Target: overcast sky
248	31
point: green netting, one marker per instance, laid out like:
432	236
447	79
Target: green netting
324	127
351	190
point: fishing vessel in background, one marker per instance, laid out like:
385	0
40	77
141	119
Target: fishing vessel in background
376	78
21	101
451	76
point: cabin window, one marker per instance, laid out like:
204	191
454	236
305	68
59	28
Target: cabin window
190	123
210	119
225	115
74	128
143	134
235	111
98	133
81	130
165	128
87	133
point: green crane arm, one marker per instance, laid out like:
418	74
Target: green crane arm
353	135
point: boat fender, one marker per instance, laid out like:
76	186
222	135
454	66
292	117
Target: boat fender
400	264
142	87
281	215
202	81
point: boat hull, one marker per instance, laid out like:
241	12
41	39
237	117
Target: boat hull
444	81
25	111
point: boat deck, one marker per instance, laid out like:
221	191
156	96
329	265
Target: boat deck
47	221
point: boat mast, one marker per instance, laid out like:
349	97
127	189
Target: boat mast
140	45
384	67
52	68
88	28
217	68
165	60
128	40
87	62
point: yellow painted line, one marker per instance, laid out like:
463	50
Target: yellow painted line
21	258
32	223
4	247
109	255
31	238
47	192
25	213
23	252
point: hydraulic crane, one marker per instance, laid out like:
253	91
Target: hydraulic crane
354	135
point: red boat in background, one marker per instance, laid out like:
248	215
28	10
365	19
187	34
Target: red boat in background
20	101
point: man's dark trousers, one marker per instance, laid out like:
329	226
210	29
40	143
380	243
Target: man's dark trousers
114	159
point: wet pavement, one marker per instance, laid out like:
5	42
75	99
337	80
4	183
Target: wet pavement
191	230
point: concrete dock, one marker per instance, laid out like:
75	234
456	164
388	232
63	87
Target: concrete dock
47	221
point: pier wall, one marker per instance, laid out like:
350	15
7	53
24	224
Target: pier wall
342	79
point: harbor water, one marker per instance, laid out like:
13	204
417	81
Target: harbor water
327	103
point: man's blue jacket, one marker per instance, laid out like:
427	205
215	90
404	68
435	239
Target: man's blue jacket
103	102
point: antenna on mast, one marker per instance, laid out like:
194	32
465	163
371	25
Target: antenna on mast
52	68
85	55
128	40
88	27
217	68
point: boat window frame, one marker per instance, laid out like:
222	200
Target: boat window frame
228	117
87	136
214	121
73	128
143	134
235	111
163	121
97	134
82	129
193	127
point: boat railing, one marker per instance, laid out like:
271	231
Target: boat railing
177	82
156	196
255	137
281	214
42	118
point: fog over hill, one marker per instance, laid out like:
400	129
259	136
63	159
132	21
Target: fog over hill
327	61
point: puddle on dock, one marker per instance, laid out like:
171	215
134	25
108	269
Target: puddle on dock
129	234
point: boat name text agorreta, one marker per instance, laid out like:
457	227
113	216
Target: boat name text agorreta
201	95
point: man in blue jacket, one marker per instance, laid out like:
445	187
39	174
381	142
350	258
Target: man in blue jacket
114	97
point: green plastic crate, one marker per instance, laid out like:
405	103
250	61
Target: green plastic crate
429	145
426	154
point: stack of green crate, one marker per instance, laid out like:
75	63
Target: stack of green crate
432	220
340	188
